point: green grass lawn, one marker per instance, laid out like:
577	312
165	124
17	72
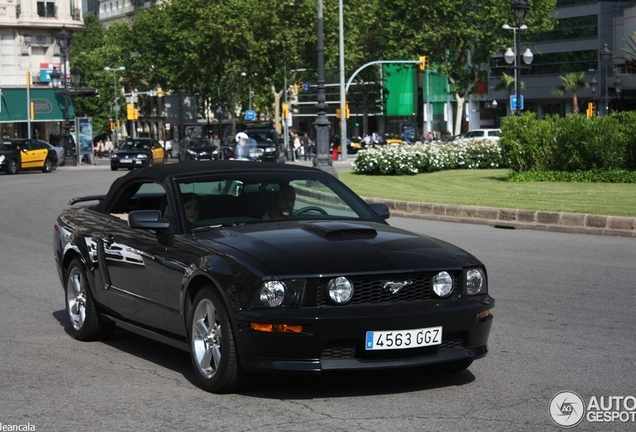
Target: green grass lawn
490	188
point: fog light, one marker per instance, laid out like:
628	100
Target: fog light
442	284
340	290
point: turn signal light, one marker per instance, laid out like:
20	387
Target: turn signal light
483	315
276	328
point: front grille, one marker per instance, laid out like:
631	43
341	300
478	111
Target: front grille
371	290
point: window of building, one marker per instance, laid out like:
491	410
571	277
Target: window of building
46	8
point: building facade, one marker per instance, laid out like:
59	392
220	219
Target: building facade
575	45
29	107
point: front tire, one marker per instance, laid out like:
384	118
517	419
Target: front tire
86	324
212	345
113	167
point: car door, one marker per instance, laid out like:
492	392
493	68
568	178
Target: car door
28	157
132	260
39	151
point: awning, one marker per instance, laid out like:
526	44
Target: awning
48	105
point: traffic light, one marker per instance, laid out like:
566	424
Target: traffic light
111	124
285	111
423	60
131	112
295	88
591	109
338	113
346	113
159	92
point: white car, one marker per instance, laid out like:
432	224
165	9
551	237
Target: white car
482	134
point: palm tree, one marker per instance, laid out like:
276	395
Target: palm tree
507	82
572	82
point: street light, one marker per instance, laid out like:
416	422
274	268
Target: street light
520	8
64	40
618	87
249	83
606	59
115	105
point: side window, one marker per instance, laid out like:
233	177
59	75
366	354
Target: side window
139	196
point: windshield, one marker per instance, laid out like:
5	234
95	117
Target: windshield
6	146
136	145
200	143
266	197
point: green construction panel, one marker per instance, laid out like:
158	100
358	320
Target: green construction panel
400	84
49	105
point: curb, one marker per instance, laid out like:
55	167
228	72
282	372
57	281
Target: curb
577	223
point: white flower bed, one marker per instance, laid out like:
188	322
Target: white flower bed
419	158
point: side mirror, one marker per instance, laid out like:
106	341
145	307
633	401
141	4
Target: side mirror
381	209
147	219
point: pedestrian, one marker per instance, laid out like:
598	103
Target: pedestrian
298	148
108	147
306	145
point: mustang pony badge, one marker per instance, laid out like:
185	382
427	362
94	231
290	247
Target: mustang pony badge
395	287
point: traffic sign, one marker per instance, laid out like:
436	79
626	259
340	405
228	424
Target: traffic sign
513	102
306	86
250	115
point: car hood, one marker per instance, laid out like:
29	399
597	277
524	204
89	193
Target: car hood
201	149
323	248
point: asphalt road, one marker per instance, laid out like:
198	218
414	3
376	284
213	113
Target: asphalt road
564	320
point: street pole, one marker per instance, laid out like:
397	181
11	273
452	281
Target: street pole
322	125
115	105
343	102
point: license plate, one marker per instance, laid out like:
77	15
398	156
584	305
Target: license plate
126	161
401	339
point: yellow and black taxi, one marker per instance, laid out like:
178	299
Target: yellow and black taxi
26	154
137	153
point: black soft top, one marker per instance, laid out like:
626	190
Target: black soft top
159	173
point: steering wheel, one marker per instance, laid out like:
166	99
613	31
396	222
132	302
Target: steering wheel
310	210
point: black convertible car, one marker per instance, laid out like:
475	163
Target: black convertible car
266	268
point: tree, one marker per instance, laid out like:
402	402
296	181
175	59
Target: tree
572	82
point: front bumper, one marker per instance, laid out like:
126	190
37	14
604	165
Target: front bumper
333	338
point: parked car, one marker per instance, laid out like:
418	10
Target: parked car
27	154
197	149
482	134
58	150
243	265
137	153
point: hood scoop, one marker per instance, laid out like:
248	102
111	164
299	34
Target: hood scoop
339	230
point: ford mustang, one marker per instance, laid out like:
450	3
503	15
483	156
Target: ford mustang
255	268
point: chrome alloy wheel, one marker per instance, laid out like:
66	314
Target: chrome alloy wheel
76	298
206	338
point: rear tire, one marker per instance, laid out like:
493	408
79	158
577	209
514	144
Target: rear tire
86	325
12	168
212	344
48	166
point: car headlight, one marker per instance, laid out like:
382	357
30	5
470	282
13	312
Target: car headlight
113	155
192	152
476	282
276	293
142	156
270	149
272	293
2	158
340	290
442	284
